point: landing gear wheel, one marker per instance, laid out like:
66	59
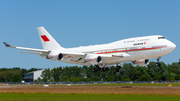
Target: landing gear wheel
116	70
102	69
119	67
106	69
96	68
93	70
158	63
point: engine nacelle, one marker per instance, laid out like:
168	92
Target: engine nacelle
55	56
142	62
60	57
93	59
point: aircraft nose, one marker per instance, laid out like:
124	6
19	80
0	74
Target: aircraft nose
172	46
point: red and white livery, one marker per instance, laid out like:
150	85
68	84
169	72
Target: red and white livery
138	50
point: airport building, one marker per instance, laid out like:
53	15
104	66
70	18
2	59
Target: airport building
30	77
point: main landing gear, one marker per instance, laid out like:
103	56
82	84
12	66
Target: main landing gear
158	63
97	68
117	68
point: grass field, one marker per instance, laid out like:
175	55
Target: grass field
97	92
84	97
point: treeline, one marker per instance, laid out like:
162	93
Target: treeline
15	74
128	72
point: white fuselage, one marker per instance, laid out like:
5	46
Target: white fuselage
137	48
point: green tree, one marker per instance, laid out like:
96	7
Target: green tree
74	79
158	72
108	78
16	78
39	79
46	74
164	75
23	71
175	68
95	78
177	77
67	71
127	79
6	74
115	77
65	78
51	80
16	68
125	71
172	79
57	73
145	77
88	80
33	69
137	72
45	79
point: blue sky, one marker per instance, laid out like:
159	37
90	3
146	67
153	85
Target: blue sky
76	23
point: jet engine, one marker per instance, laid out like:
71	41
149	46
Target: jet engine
55	56
93	59
142	62
60	57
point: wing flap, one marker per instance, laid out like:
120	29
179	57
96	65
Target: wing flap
75	56
31	52
121	55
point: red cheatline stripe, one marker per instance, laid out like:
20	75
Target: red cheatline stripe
45	38
130	50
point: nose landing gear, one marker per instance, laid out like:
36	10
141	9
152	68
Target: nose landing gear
158	63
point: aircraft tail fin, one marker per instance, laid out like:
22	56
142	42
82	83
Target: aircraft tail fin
48	42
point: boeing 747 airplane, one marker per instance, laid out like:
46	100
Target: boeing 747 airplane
137	50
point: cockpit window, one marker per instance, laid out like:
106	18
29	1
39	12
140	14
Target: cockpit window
161	37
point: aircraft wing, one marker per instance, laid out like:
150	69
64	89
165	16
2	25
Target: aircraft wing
81	58
71	57
29	49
